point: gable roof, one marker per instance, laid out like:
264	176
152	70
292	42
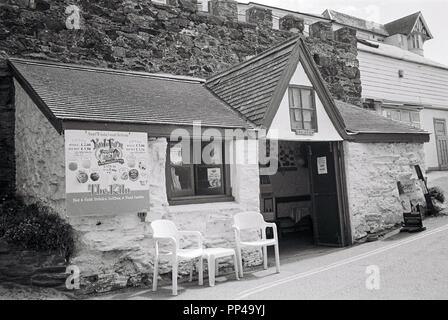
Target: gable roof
250	86
78	93
406	25
255	89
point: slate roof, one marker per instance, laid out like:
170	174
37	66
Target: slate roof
249	87
358	120
403	25
105	95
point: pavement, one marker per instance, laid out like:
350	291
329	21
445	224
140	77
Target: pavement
399	266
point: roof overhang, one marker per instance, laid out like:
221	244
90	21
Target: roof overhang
380	137
153	128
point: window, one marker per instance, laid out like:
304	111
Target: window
193	178
403	115
302	109
416	41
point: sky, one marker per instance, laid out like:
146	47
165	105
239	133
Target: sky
383	11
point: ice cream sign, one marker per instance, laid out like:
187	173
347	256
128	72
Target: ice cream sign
106	172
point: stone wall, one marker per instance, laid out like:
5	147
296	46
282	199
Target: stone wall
373	170
144	36
27	267
117	251
39	153
335	54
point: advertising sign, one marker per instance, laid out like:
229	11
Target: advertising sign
106	172
322	165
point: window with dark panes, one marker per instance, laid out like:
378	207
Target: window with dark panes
192	175
302	108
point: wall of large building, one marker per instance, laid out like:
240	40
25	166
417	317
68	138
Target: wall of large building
372	171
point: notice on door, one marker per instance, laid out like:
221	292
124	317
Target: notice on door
322	165
106	172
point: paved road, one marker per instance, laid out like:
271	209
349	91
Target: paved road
410	266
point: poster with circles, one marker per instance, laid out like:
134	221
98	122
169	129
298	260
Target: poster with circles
106	172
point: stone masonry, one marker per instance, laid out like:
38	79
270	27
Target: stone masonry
137	35
117	251
373	170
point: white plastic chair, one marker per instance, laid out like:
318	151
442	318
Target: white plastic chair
254	220
165	230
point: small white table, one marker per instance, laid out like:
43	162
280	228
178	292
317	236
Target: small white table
211	254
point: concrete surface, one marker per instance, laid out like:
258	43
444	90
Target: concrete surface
410	266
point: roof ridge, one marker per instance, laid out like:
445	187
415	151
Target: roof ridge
86	68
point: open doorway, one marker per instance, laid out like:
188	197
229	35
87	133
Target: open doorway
305	196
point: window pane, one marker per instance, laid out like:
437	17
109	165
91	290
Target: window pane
176	154
298	115
307	125
209	180
307	115
295	97
307	101
180	171
212	152
209	174
405	116
415	116
395	115
181	179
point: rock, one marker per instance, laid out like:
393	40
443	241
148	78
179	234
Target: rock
292	23
4	247
187	5
42	5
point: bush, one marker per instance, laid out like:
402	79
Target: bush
437	193
34	227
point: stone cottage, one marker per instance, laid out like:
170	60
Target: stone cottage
338	164
354	156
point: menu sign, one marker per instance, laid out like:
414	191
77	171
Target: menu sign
106	172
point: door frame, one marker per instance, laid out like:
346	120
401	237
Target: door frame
439	160
345	233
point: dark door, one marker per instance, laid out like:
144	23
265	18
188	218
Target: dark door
327	225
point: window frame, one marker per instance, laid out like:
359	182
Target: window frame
292	120
226	196
389	110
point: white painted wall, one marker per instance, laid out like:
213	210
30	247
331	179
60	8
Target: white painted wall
282	124
424	82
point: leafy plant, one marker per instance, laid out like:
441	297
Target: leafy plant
34	227
437	193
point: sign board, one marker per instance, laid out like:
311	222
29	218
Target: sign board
322	165
106	172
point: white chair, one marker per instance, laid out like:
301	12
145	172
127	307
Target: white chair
254	220
165	230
